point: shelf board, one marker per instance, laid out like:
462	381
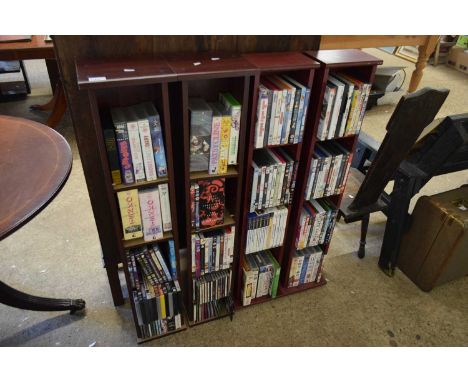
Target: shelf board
287	291
338	58
222	315
105	73
140	241
181	329
228	220
202	175
283	61
143	184
209	65
281	293
339	138
280	145
255	301
194	277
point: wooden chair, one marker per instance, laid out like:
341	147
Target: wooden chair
364	193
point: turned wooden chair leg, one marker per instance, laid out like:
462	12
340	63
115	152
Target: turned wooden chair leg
362	243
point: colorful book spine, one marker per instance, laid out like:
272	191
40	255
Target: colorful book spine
150	214
262	110
215	143
157	141
172	259
234	108
113	156
276	275
147	149
224	146
130	213
165	207
197	205
135	149
125	157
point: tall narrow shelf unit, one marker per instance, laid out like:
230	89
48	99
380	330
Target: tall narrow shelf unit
120	83
359	65
205	76
302	69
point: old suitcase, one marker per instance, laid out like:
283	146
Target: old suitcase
434	250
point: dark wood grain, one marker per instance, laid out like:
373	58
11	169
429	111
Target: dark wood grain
209	65
121	72
344	57
283	61
37	48
70	49
35	162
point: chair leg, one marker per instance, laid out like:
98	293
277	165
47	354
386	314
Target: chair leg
362	243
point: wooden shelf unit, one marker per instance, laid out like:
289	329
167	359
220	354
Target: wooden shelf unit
126	83
206	75
169	83
302	69
359	65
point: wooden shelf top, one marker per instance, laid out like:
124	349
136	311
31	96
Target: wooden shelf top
228	220
281	61
209	65
96	74
202	175
343	57
140	241
144	184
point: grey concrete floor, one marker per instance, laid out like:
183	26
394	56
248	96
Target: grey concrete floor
58	254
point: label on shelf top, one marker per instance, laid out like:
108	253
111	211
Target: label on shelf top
96	79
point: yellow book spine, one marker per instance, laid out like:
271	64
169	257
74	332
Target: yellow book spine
116	178
224	146
352	112
163	306
130	214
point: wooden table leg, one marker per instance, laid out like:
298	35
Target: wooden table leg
424	52
12	297
46	106
59	107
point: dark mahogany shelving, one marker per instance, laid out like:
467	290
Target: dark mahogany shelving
99	74
203	175
168	83
181	329
196	323
359	65
140	241
124	83
302	69
142	184
206	75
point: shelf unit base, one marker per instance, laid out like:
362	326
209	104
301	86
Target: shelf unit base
283	292
288	291
224	315
181	329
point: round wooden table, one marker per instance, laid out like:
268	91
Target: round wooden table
35	162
